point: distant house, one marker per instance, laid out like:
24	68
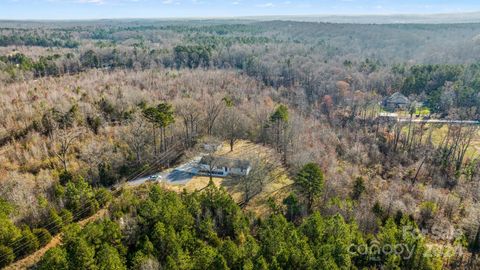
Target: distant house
222	167
396	101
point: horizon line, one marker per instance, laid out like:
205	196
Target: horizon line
251	16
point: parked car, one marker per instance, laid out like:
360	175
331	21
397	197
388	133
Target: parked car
154	178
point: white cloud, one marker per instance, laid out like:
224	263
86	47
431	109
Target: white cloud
98	2
91	1
266	5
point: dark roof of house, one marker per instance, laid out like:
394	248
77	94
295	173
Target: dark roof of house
398	98
225	162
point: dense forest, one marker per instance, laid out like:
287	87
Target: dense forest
202	230
87	106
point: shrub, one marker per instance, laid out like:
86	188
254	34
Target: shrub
378	210
43	236
427	212
27	243
7	255
103	196
67	216
358	188
55	258
55	220
293	208
65	177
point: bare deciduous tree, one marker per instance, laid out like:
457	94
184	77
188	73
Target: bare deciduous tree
190	112
232	126
63	141
137	137
213	107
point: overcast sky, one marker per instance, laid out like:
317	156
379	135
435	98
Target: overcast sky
95	9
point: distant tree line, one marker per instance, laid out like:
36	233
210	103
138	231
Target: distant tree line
17	39
311	58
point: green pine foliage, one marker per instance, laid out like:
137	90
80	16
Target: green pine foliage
310	182
43	236
54	259
280	114
7	255
207	230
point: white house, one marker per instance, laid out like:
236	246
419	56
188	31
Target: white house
222	167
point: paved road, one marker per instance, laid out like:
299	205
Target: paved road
179	175
439	121
395	117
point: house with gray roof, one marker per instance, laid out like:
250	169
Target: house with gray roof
223	167
396	101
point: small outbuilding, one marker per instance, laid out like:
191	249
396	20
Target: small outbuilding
222	167
396	101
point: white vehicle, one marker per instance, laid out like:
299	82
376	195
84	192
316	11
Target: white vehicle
154	178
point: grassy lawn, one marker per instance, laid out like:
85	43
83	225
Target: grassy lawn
423	111
474	150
